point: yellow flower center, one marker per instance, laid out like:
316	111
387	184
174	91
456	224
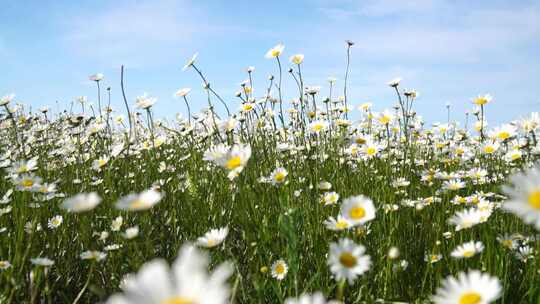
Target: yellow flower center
534	199
347	259
360	141
470	298
211	243
317	127
503	135
468	253
280	269
279	177
275	53
357	213
234	163
178	300
27	183
508	243
371	151
136	204
341	224
384	120
480	101
489	149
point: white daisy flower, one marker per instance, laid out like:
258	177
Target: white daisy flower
82	202
347	260
524	196
466	218
55	222
187	282
316	298
142	201
279	270
467	250
358	209
213	237
472	287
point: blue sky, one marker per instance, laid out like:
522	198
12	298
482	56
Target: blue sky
450	51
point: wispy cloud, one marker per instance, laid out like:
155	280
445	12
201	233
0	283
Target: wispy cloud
141	32
436	32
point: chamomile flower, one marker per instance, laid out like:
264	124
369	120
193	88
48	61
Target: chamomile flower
144	102
142	201
190	62
279	270
96	77
27	182
278	176
337	224
316	298
482	100
318	126
182	92
524	196
467	250
81	202
42	261
188	282
330	198
473	287
55	222
358	210
4	265
213	237
232	158
275	51
99	163
93	255
466	218
131	232
297	59
347	260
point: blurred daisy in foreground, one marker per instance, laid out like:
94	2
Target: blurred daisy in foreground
188	282
213	237
136	202
348	260
42	262
316	298
82	202
472	287
524	194
279	270
467	250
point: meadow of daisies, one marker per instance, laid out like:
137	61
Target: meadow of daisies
257	199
